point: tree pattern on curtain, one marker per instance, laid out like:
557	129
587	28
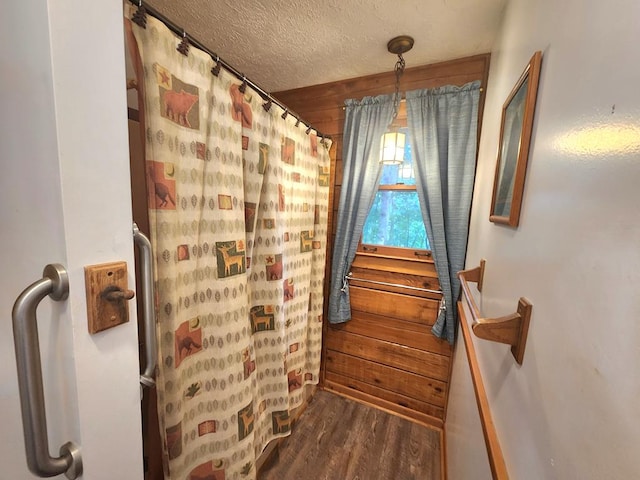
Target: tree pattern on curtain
238	211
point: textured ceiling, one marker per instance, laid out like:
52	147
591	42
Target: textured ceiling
284	44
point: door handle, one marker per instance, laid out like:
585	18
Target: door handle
148	307
55	284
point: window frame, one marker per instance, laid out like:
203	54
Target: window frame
385	250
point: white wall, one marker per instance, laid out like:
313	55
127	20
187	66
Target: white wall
87	50
65	197
571	410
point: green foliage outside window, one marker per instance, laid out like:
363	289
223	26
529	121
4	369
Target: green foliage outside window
395	219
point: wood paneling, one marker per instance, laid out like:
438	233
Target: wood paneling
394	402
325	97
392	379
395	355
406	307
415	281
386	354
392	330
371	261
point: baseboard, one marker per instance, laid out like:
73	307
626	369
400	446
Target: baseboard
384	405
443	454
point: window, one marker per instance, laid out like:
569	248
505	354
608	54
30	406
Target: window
395	219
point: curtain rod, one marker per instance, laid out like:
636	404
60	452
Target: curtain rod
214	56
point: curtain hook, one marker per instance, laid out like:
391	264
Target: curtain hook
140	16
284	115
243	87
267	105
308	130
297	121
215	70
183	47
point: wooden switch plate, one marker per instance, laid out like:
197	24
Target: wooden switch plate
100	280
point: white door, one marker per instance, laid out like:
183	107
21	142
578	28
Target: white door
65	198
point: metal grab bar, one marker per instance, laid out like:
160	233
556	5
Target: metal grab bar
34	421
148	295
387	284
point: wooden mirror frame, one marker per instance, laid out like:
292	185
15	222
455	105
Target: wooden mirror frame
511	155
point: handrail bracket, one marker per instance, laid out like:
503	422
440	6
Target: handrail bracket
510	329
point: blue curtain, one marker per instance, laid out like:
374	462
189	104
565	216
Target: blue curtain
365	123
443	124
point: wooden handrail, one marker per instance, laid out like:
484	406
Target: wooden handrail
494	451
511	329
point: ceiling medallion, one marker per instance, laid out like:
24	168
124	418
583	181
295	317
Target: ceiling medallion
401	44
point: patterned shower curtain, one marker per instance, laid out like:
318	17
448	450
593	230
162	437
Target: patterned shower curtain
238	212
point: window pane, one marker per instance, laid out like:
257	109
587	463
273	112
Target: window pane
403	173
395	221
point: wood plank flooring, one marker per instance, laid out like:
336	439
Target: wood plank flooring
339	439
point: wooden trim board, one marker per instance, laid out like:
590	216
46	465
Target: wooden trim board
496	458
385	406
443	454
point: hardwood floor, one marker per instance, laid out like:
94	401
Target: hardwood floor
340	439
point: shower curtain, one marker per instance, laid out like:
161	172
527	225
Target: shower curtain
238	201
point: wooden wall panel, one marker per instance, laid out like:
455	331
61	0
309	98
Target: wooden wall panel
325	96
386	354
395	305
391	330
386	399
398	356
395	380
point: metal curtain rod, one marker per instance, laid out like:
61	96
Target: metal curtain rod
387	284
193	41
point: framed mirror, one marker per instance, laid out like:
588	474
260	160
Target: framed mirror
515	137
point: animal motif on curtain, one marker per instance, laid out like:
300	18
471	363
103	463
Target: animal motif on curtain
236	262
281	421
245	421
177	106
208	471
188	340
231	258
288	151
240	111
162	188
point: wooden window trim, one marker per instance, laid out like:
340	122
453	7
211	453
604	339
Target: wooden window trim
397	186
398	253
